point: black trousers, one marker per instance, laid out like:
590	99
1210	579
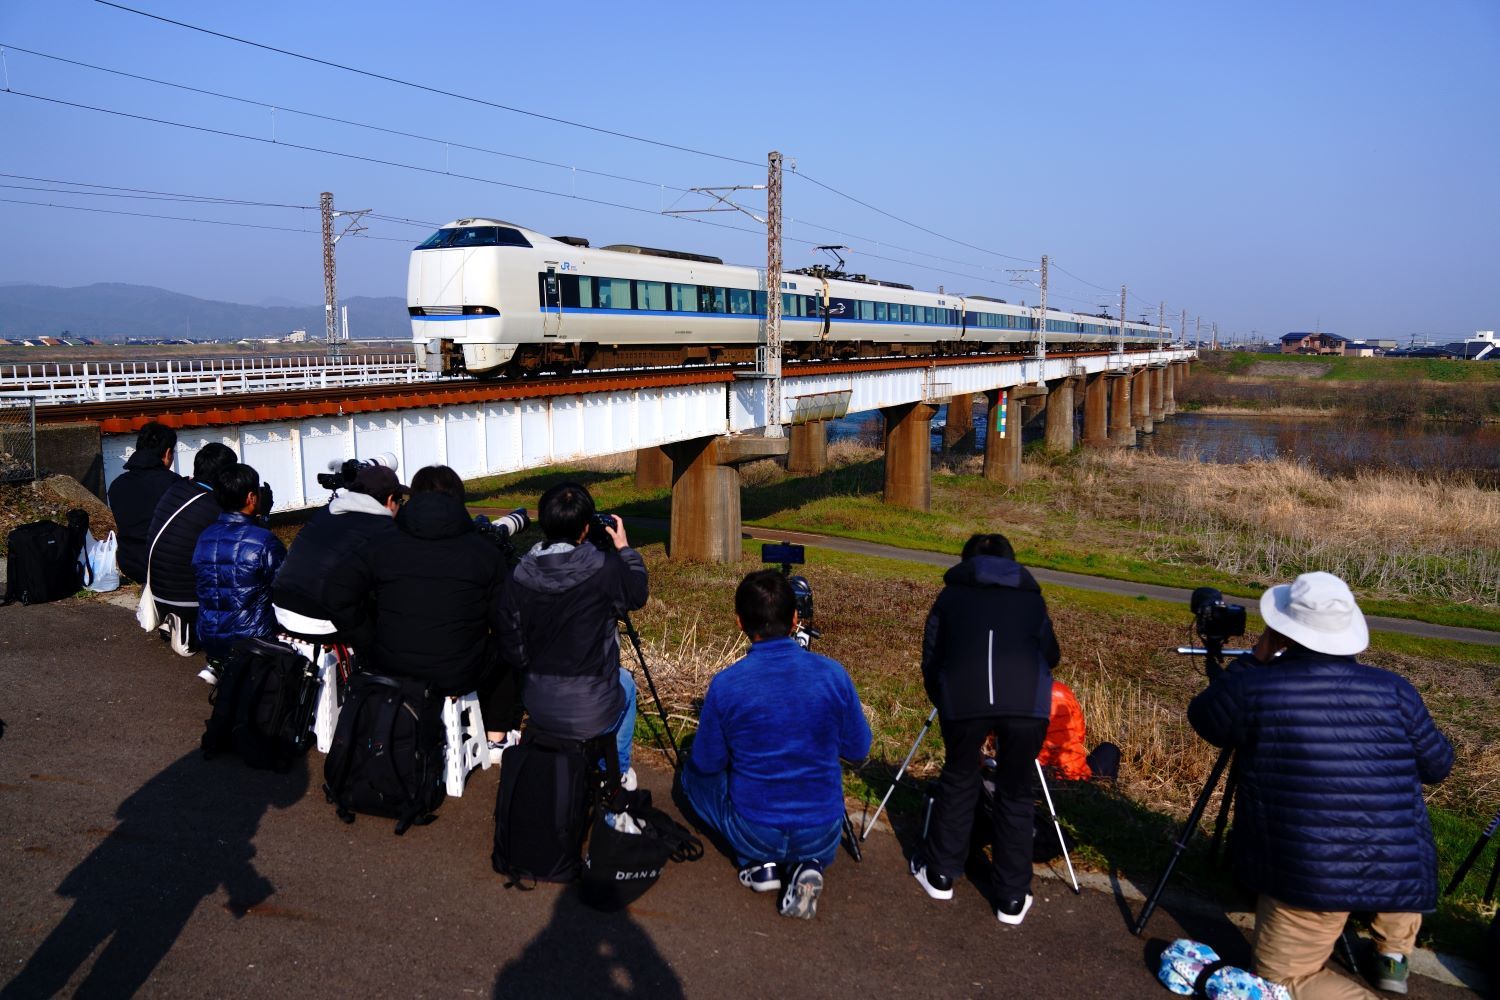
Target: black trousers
1017	742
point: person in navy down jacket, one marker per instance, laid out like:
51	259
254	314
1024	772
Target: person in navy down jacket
1329	815
234	563
764	770
134	493
987	656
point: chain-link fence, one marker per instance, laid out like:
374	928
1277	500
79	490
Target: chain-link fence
17	438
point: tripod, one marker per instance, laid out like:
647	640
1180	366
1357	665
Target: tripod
1473	856
1213	653
666	723
1041	778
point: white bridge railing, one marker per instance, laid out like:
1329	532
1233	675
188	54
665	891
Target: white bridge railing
51	383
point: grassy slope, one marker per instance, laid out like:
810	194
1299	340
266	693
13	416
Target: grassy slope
1116	655
1359	369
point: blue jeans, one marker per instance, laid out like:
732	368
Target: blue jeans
754	843
624	727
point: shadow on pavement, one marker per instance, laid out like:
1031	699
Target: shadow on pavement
181	836
585	953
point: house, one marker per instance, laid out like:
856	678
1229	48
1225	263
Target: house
1359	349
1313	343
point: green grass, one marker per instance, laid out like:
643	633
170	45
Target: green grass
1358	369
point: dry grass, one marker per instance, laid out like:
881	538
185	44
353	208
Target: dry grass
50	499
1387	534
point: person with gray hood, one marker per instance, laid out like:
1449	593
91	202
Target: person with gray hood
558	622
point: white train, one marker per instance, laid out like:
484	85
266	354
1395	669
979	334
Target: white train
491	298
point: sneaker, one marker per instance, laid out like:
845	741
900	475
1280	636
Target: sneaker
1388	974
761	878
628	780
1013	910
210	674
935	885
801	896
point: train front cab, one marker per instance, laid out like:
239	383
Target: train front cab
453	296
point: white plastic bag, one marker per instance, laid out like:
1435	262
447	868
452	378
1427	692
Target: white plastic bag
145	612
104	573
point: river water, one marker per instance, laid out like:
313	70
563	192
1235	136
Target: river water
1333	445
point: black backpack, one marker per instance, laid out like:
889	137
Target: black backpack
42	560
263	705
542	809
387	752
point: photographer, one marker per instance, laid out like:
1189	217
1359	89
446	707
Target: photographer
764	770
419	602
183	512
1329	815
558	623
234	562
134	494
987	657
360	514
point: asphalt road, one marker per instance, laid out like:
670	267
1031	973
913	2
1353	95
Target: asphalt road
128	863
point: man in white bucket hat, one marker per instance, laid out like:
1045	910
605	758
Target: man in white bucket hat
1329	816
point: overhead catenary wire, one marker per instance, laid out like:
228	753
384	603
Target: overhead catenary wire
181	218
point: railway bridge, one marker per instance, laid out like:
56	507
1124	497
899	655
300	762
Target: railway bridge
691	428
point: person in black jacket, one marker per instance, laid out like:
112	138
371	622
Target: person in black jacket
987	657
134	494
1329	813
559	623
181	514
361	514
419	602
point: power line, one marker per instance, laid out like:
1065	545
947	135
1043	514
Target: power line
429	89
180	218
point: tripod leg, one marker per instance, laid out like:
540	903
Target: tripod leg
900	771
1052	811
666	723
1183	838
1231	785
1473	856
853	842
1489	889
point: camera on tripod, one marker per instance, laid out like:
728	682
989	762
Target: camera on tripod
502	530
789	555
341	475
1214	619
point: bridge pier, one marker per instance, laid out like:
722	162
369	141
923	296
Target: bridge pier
1158	394
1002	455
908	455
809	449
706	494
1096	411
958	432
1140	400
653	469
1060	415
1121	430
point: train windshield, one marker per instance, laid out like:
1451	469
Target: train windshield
474	236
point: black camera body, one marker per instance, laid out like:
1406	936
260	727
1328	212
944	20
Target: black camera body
501	532
599	526
342	475
789	555
1214	618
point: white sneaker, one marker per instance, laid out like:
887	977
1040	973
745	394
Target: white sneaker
209	674
1013	911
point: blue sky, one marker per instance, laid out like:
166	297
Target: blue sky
1272	166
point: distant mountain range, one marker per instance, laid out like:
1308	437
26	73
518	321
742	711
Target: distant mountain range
116	311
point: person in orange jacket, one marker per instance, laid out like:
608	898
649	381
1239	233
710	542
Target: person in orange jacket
1063	753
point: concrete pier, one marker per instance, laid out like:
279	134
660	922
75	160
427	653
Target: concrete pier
653	469
1121	430
706	494
1169	389
809	449
1096	411
908	455
1060	415
1002	455
958	432
1140	400
1158	394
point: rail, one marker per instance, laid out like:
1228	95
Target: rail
54	383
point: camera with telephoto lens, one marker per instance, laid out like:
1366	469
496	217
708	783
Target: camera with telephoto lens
1214	619
789	555
502	530
341	475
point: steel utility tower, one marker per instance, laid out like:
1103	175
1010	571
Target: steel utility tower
330	280
1122	321
773	295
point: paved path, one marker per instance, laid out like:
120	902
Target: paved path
127	861
1404	626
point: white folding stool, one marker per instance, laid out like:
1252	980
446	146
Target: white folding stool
467	744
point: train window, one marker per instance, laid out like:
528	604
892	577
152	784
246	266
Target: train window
585	286
791	305
758	303
739	301
651	295
812	305
906	314
614	293
929	314
712	300
685	298
866	310
474	236
879	312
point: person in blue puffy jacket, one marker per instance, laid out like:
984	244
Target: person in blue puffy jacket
1329	816
234	563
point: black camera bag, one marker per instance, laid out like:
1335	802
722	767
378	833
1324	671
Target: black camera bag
387	753
43	560
541	811
263	705
620	867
